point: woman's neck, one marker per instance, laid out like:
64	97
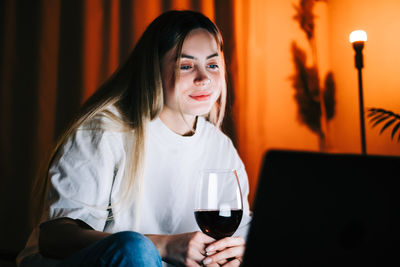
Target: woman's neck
178	123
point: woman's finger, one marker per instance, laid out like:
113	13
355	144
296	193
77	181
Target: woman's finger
225	243
232	252
222	262
191	263
196	252
197	246
209	253
233	263
187	249
212	265
203	237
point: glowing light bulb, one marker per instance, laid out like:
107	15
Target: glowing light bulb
358	36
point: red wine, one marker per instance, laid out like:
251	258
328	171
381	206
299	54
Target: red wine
218	224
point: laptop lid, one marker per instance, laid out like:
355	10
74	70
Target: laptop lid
325	210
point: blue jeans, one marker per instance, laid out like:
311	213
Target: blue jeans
119	249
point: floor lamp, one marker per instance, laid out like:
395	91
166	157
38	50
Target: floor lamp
358	38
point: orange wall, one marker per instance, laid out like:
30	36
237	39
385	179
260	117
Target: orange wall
265	105
266	112
381	74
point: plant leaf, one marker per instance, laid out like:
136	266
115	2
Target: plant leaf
329	96
387	125
371	113
305	17
395	128
305	82
380	120
376	117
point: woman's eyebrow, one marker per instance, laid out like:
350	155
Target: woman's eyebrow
192	57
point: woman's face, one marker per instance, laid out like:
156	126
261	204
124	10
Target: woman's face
200	69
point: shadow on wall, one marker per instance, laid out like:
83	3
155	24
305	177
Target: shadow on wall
315	103
391	119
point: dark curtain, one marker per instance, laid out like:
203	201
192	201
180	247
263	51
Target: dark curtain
53	55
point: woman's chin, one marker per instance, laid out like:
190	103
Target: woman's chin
200	111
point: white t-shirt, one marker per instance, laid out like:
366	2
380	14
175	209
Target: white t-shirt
90	166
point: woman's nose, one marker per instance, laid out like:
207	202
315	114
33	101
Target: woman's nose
201	79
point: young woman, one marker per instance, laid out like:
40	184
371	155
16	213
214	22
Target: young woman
120	183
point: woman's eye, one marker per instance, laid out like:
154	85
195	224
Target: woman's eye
185	67
213	66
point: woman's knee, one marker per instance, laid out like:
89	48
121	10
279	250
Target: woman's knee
134	246
132	241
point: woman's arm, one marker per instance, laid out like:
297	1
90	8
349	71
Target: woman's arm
60	238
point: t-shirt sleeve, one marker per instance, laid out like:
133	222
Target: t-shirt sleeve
82	175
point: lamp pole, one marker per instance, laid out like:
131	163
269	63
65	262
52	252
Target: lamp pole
358	38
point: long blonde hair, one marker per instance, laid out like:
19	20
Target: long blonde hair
136	90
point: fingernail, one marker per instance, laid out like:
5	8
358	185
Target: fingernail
207	261
210	248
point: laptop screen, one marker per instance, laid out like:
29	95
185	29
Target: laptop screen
325	209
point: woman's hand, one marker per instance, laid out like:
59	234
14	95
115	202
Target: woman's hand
225	252
188	249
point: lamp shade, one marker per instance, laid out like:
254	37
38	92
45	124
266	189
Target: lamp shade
357	36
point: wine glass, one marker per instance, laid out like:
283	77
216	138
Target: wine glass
218	203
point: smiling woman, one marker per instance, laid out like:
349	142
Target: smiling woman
119	186
193	87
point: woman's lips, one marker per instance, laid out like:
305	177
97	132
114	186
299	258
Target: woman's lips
201	97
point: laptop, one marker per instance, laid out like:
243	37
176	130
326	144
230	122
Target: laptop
318	209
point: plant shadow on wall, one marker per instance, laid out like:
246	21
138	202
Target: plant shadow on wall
380	116
316	103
